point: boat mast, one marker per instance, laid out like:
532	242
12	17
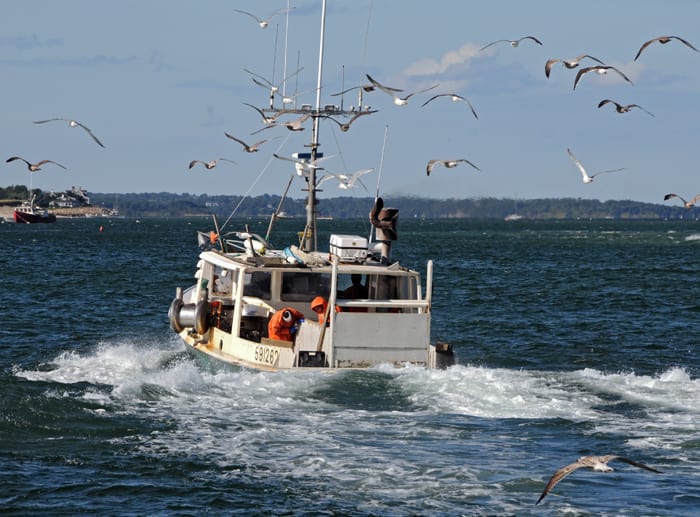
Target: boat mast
309	241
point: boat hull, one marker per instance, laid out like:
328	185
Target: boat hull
20	216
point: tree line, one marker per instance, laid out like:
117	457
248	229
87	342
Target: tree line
165	204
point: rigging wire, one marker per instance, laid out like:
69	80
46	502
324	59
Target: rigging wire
258	177
369	18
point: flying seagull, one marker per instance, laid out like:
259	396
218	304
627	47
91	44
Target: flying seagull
274	88
264	22
448	163
365	87
586	177
596	463
687	204
347	181
346	126
568	63
33	167
303	167
601	70
72	123
620	108
247	148
399	101
209	165
513	43
455	98
292	125
268	119
663	40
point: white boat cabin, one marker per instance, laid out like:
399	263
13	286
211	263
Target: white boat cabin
384	317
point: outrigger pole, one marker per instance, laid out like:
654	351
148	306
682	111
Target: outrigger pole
276	213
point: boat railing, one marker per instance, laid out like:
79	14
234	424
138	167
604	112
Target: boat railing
384	304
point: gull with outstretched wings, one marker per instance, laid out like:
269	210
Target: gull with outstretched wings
513	43
33	167
210	164
448	163
264	22
688	204
663	40
73	123
587	178
596	463
399	101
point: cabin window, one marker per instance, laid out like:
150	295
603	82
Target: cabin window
383	287
304	287
257	284
223	285
352	286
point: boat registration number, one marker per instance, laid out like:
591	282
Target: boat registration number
266	355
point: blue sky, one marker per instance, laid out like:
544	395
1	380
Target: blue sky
159	82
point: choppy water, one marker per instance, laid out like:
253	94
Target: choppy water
572	338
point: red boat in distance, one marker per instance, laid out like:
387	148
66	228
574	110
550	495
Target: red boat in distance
29	214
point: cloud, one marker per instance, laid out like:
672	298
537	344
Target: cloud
29	42
80	61
428	66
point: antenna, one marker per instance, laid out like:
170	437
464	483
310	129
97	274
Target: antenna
286	36
381	162
311	203
274	54
379	178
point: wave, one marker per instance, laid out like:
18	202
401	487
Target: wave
137	373
693	237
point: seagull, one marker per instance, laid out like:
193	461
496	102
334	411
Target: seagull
597	463
209	165
448	163
73	123
586	177
622	108
599	69
687	204
568	63
268	84
268	119
247	148
513	43
365	87
292	125
346	126
303	167
347	181
455	98
399	101
264	22
663	40
33	167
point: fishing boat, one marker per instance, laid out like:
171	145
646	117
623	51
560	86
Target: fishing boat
27	212
297	307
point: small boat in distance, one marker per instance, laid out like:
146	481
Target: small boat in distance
27	212
295	307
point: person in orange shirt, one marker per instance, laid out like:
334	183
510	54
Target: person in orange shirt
320	306
282	323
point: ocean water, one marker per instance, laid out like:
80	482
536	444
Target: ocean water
572	338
